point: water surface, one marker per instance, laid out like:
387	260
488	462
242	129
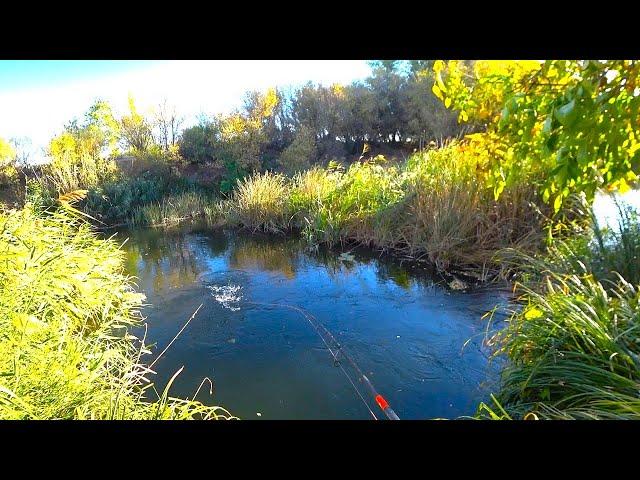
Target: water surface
403	327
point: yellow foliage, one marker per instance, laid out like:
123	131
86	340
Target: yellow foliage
479	92
338	90
234	125
76	161
268	103
8	171
514	68
7	153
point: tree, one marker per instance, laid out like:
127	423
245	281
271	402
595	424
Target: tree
196	143
136	130
424	117
100	117
575	120
168	124
387	86
299	155
7	162
22	147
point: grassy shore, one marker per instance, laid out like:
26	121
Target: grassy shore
574	344
435	208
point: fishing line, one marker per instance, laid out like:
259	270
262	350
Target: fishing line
229	295
177	335
322	333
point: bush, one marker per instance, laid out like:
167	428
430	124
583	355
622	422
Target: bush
115	201
574	346
77	162
299	155
574	350
195	144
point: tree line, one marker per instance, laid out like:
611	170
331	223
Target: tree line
278	129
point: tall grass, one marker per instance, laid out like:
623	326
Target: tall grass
437	208
450	218
66	313
574	347
77	171
175	208
261	202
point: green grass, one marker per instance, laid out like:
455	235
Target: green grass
434	208
66	315
260	203
574	346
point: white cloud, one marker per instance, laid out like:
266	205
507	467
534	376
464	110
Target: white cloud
192	86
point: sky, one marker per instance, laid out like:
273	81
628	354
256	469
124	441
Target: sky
37	97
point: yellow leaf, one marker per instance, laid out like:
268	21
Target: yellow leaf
557	203
447	102
623	186
532	313
436	91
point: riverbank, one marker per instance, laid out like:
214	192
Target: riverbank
433	209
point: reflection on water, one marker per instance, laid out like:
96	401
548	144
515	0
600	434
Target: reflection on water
405	331
253	254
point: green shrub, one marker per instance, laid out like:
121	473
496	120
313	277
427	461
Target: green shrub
574	351
574	346
115	201
195	144
299	155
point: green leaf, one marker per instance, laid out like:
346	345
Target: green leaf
567	114
550	144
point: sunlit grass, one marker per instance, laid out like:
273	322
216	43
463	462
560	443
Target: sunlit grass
66	314
437	207
261	202
574	346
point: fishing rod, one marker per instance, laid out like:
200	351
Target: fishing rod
327	338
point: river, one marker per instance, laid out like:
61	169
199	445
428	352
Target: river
419	343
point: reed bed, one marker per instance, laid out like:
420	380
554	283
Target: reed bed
174	209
